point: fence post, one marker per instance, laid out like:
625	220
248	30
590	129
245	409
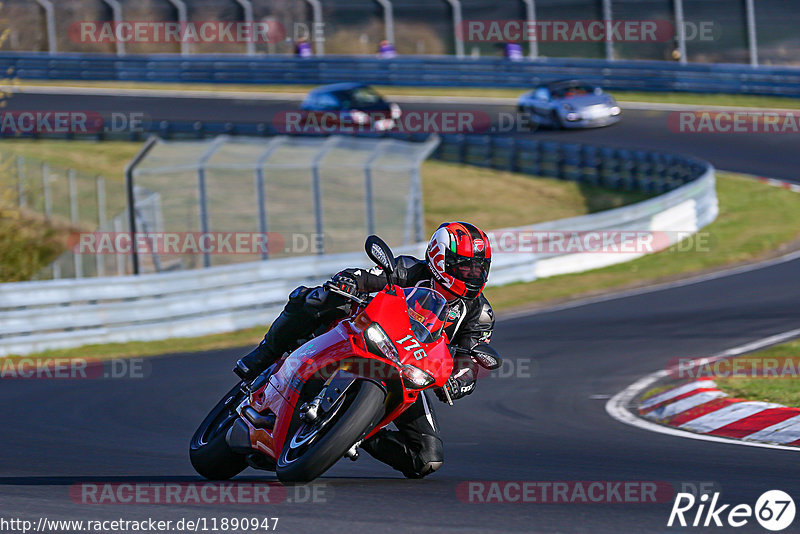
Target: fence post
530	15
459	42
131	200
73	216
247	8
101	222
609	36
48	202
201	190
388	20
272	145
319	41
50	21
316	187
681	26
21	196
116	11
119	257
183	19
751	32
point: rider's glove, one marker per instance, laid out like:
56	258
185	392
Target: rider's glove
344	282
460	384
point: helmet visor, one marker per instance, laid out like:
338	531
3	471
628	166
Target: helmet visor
473	271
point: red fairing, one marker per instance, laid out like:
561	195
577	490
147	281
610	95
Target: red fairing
343	348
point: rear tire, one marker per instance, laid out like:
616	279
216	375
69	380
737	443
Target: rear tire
208	451
353	421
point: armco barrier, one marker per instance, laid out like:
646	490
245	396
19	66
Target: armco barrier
36	316
409	70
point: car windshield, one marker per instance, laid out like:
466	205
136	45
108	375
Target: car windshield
572	91
427	310
361	97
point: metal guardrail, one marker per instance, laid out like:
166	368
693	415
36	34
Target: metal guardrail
408	70
36	316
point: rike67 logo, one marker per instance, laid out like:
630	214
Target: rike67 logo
774	510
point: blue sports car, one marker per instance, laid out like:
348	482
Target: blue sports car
569	104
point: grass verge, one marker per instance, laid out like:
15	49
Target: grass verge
28	242
755	221
771	375
713	99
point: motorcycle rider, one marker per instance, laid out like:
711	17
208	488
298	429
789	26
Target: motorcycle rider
456	264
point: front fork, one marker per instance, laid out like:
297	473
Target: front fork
331	394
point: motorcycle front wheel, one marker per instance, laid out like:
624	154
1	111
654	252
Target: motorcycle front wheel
311	449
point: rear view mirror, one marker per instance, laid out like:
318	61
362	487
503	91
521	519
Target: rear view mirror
379	252
486	357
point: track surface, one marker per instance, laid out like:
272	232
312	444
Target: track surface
548	426
771	155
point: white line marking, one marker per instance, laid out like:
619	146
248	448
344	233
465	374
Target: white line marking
727	415
617	407
676	392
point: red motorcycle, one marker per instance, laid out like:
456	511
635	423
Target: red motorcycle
317	404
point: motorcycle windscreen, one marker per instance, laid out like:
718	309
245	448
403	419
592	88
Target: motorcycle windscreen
427	310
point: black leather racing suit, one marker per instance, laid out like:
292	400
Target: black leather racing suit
415	448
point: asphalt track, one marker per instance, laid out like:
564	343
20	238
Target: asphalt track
773	155
543	421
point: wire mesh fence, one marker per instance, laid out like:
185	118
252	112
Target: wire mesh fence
232	200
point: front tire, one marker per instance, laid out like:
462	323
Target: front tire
208	451
352	421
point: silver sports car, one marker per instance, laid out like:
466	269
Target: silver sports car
569	104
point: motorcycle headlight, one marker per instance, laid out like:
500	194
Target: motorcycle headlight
416	378
395	110
359	117
573	116
615	110
378	343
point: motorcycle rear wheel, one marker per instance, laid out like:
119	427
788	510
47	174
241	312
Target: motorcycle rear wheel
208	451
309	452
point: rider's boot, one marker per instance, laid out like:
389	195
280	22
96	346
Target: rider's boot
292	324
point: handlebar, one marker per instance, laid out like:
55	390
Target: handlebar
355	298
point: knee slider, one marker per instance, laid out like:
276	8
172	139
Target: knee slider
430	457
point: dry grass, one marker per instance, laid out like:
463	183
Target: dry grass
497	199
28	242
